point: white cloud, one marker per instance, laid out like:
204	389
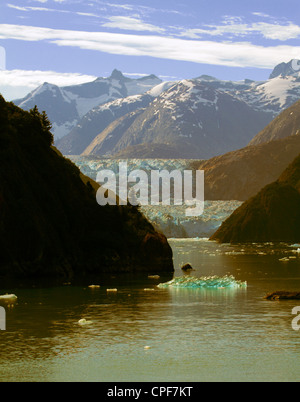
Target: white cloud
17	7
29	8
238	54
87	14
263	15
131	24
276	31
273	31
18	83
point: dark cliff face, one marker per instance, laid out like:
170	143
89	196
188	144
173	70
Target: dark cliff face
50	222
272	215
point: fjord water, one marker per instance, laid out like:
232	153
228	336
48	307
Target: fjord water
144	333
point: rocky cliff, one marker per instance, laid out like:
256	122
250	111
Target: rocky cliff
50	222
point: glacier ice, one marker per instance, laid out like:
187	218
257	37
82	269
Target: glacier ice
206	282
168	219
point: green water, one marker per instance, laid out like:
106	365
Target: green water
192	335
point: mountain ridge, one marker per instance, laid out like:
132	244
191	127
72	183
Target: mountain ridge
272	215
50	223
69	108
66	105
189	113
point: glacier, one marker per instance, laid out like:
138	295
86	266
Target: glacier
171	220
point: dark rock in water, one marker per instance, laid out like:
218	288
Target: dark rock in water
283	295
50	223
187	267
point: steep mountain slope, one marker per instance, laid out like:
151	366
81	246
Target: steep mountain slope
65	106
189	114
284	125
98	118
239	175
272	215
50	222
279	92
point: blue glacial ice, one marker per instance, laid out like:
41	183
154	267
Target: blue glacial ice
168	219
206	282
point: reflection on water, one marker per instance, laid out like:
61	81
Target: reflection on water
193	334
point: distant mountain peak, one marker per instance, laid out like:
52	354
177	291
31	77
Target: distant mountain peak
117	75
205	77
149	77
286	69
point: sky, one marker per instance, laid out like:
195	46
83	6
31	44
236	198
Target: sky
66	42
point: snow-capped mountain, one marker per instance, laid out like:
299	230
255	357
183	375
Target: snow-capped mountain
190	129
189	115
65	106
99	117
279	92
199	118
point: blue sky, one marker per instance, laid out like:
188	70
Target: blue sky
73	41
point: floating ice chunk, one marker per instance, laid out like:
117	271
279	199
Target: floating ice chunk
83	321
8	298
94	286
111	290
204	282
285	259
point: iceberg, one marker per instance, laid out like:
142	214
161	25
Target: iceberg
206	282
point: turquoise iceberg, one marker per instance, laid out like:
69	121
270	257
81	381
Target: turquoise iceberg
215	282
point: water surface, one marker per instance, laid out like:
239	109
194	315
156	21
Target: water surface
192	335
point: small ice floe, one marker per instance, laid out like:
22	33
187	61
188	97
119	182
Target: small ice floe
83	321
149	290
284	259
94	286
153	276
8	298
112	290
